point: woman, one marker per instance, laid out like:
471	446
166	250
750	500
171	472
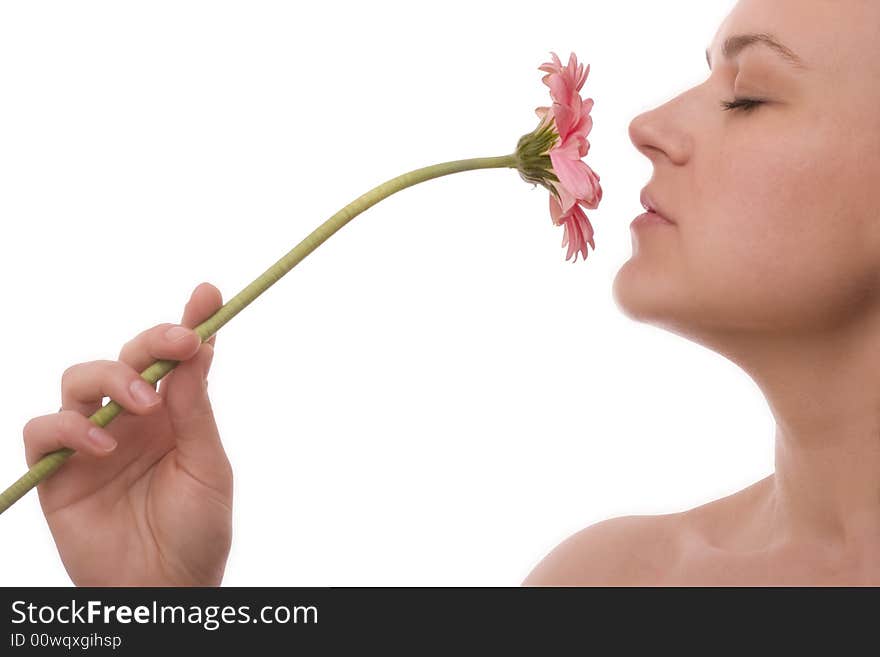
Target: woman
774	262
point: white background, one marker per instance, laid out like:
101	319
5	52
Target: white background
434	396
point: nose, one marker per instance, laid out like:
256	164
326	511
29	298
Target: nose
640	132
663	133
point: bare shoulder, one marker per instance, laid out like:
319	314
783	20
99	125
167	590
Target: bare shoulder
624	551
655	550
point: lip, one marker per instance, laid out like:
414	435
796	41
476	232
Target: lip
650	219
650	204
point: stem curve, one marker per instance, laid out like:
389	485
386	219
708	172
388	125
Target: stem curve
49	463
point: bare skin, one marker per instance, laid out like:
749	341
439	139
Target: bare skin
729	542
156	508
722	543
773	262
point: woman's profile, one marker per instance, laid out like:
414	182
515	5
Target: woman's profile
768	170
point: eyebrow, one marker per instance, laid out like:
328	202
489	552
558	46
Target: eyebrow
739	42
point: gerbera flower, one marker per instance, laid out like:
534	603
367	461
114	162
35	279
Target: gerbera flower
552	155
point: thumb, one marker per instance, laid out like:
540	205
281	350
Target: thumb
187	403
187	399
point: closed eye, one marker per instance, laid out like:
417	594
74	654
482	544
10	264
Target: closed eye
743	104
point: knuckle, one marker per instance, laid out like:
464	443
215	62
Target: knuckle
126	348
32	426
110	370
68	374
122	369
28	431
95	367
106	366
67	424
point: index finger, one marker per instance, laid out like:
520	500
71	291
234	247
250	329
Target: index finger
151	344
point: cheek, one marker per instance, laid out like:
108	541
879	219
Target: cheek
777	234
778	240
780	245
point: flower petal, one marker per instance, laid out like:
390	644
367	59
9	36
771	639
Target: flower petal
555	211
565	120
592	199
573	174
574	183
578	233
551	67
566	198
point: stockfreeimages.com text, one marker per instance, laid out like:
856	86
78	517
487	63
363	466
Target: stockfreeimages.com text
209	617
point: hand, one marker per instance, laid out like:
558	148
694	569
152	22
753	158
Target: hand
156	510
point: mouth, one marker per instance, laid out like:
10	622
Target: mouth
651	206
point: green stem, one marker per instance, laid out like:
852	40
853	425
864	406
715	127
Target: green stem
52	461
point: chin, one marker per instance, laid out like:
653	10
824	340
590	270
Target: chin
659	299
669	303
641	295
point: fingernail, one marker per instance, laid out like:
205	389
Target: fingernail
102	439
143	392
176	333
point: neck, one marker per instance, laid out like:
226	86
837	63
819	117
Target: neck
824	393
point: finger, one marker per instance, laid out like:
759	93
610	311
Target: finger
186	398
84	386
204	302
48	433
162	342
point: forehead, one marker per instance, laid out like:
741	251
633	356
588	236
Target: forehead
828	35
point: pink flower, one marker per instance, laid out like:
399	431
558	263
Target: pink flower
571	181
578	230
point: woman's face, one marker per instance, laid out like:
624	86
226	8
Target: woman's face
777	209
